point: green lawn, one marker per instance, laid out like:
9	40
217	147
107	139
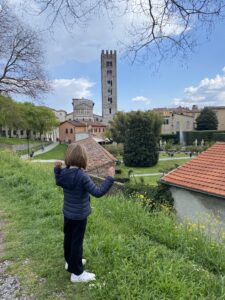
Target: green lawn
57	153
181	154
151	180
16	141
159	167
135	255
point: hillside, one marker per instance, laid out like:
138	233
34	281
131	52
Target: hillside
135	255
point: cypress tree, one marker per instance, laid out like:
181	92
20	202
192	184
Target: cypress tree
141	139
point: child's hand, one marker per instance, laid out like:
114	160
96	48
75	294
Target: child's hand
58	164
111	171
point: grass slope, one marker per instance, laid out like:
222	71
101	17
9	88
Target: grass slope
57	153
135	255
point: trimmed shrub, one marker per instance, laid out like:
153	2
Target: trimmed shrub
170	137
219	137
206	135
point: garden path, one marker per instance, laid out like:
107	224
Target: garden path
46	149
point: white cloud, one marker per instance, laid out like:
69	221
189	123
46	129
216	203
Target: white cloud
67	89
209	91
141	99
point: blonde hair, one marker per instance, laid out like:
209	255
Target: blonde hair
76	155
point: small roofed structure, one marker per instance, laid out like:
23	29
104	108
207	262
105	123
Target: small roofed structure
99	159
198	187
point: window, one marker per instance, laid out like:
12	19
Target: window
71	130
95	129
14	132
103	129
109	82
110	100
109	63
66	130
166	121
109	72
109	91
110	111
99	130
21	132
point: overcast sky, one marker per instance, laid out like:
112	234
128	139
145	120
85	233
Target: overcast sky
73	64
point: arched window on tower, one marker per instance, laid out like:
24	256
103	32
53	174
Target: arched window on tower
110	111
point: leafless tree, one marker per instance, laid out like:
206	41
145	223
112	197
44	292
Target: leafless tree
164	27
21	57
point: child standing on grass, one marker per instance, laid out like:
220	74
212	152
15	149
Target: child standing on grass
77	187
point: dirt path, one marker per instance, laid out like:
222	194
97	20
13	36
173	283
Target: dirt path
9	284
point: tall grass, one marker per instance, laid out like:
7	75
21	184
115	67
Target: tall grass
136	255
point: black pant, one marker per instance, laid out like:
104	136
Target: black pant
73	244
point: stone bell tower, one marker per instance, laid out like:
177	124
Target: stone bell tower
109	85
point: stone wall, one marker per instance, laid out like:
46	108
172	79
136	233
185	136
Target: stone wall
115	189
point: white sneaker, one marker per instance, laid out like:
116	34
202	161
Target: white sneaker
83	263
84	277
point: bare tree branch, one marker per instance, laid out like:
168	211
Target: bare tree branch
21	58
163	27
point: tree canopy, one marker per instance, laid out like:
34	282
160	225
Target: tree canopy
26	116
207	120
118	127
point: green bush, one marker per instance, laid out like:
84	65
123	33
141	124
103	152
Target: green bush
150	196
206	135
173	137
219	137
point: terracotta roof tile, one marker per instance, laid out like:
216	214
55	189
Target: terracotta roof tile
98	156
204	173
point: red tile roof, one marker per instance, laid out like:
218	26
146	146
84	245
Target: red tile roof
98	156
204	173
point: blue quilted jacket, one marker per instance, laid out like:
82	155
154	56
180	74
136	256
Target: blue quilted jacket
77	187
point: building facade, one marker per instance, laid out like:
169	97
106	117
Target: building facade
109	85
83	110
174	122
72	131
